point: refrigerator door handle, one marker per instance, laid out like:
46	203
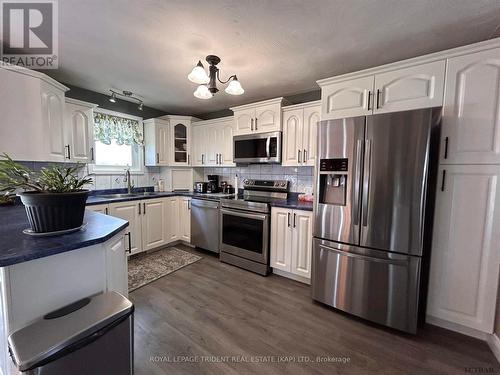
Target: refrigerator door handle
357	181
366	180
400	261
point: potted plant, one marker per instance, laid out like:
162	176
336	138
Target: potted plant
54	198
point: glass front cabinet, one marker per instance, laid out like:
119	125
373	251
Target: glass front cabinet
180	140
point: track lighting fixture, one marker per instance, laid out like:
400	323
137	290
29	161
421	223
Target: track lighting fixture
126	94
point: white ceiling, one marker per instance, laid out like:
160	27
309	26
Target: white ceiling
276	47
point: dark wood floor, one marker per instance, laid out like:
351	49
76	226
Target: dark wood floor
213	309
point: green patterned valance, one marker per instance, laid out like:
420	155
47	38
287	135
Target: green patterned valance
123	130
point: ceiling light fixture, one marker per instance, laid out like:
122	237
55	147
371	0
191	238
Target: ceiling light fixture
126	94
208	82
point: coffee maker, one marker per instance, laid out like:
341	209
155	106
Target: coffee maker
213	183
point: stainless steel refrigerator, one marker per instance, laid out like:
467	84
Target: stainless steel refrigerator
374	179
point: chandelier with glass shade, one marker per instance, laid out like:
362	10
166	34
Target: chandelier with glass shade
208	82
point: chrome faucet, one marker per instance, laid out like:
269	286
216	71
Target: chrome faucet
128	181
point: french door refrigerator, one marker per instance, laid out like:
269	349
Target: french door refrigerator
373	214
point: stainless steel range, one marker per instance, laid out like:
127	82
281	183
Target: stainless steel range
245	223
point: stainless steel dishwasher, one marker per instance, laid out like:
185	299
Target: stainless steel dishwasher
205	224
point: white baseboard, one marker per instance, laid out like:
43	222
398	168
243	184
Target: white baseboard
289	275
457	327
494	343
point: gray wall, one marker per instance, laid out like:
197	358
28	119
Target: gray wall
102	100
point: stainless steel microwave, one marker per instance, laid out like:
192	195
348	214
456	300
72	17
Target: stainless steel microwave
258	148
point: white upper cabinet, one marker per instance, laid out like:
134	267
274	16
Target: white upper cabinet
33	112
471	118
310	132
180	142
227	153
347	99
156	142
199	145
300	124
213	142
464	259
53	120
258	117
292	136
167	141
244	120
391	88
79	130
419	86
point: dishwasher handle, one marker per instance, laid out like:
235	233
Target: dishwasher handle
204	203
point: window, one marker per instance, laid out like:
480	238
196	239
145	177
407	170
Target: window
118	140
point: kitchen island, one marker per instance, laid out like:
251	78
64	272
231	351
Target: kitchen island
41	274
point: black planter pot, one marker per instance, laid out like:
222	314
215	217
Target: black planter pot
51	212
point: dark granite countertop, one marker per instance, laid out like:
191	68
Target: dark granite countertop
98	198
17	247
293	204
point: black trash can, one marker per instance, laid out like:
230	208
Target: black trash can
91	336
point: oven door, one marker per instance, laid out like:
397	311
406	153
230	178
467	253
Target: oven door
258	148
245	234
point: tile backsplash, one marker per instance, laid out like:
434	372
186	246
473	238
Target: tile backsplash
300	178
150	176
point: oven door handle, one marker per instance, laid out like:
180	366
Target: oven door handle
268	142
249	215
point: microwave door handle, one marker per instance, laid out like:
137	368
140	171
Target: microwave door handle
268	143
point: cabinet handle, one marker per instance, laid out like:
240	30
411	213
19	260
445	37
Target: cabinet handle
256	123
189	204
92	154
446	148
378	98
369	99
157	158
139	208
289	219
106	210
251	125
298	156
294	217
69	151
144	208
202	158
305	156
443	180
129	242
189	160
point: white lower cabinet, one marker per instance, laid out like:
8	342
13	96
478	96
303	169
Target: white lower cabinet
154	222
172	215
185	219
116	266
291	242
465	257
154	225
130	211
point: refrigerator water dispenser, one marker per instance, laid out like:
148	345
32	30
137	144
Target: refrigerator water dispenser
333	181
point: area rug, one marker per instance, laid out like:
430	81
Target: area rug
146	268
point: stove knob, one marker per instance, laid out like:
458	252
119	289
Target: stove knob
283	184
245	181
